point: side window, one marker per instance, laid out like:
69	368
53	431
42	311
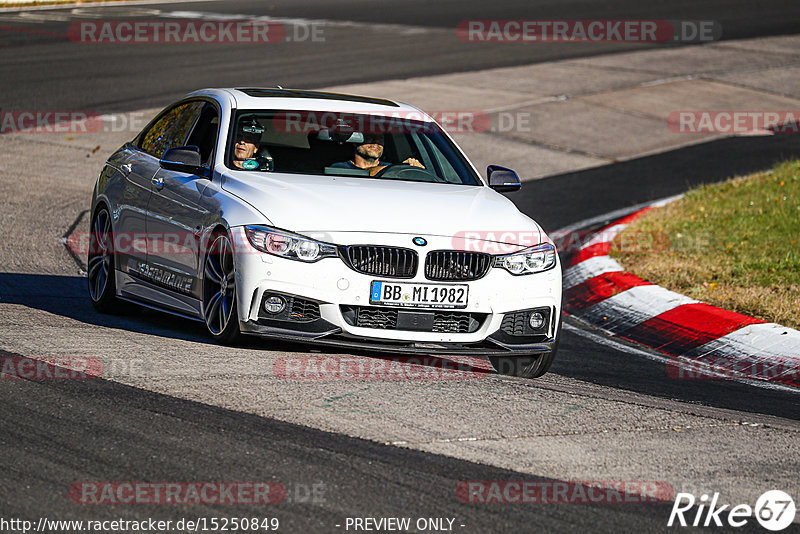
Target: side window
204	134
171	129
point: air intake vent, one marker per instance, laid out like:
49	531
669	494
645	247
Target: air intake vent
455	265
391	262
392	319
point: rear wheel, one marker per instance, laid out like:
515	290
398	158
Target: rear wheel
100	265
527	366
219	291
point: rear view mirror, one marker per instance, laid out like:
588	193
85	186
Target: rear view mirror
183	159
340	136
502	179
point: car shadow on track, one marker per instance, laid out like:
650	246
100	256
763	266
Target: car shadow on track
100	430
66	296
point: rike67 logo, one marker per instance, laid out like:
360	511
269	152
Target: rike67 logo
774	510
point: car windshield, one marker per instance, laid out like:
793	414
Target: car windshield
347	144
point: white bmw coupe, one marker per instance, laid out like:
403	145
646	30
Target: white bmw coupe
327	219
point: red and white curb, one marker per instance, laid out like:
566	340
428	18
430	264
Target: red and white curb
702	341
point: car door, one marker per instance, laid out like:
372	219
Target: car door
140	169
176	213
137	169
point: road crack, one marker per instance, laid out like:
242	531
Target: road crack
662	428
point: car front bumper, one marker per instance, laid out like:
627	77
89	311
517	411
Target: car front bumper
333	288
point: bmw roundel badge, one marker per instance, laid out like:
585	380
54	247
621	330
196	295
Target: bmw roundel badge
420	241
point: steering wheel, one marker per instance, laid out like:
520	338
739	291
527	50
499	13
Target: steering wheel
404	171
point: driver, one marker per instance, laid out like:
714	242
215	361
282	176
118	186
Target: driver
248	140
368	156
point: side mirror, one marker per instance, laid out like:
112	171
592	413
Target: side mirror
183	159
502	179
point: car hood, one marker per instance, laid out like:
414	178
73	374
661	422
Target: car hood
310	203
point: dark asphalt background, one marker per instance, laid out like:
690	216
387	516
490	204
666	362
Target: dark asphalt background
44	71
75	431
97	430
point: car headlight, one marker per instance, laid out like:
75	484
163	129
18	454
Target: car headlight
286	245
531	260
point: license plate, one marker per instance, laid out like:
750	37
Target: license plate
419	295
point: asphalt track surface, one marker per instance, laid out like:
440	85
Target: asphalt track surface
41	72
53	433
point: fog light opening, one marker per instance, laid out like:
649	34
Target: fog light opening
274	304
536	320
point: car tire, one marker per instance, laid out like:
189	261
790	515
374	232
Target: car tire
219	290
100	265
527	366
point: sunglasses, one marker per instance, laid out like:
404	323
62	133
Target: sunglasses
247	138
373	140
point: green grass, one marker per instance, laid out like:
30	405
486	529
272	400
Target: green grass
735	245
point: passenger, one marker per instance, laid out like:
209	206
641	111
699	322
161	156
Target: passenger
368	156
247	143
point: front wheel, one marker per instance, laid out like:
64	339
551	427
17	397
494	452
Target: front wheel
219	291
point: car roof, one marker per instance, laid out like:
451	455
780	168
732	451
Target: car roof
278	98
